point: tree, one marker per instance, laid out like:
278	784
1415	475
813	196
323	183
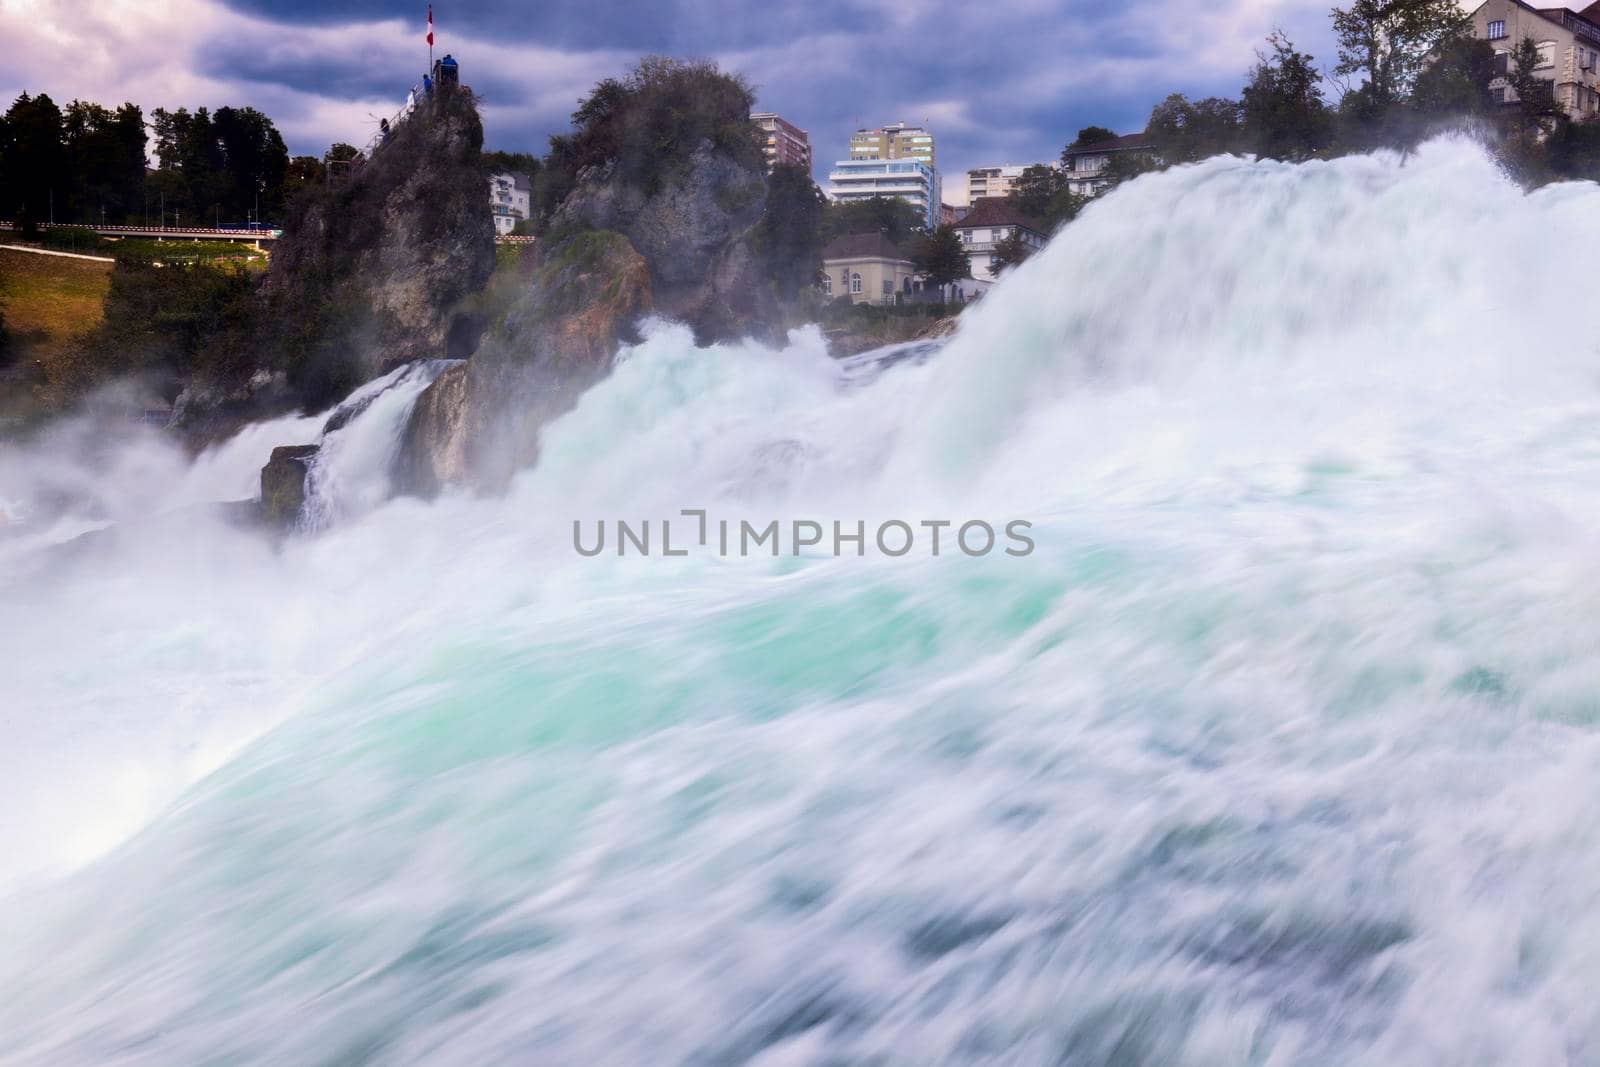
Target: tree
254	163
896	219
1285	116
1535	95
789	236
103	163
32	160
941	258
1388	42
1125	166
1184	131
497	162
1092	135
303	171
1041	192
650	122
1457	81
1010	251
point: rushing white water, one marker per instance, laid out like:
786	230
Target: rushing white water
1280	748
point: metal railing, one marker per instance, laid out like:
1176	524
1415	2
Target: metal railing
239	233
414	100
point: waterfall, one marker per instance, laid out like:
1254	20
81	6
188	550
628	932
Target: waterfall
1281	746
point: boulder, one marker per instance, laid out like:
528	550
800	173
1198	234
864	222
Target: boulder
283	484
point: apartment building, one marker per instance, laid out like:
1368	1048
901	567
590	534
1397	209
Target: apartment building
991	182
911	180
510	198
1085	167
895	140
1569	50
782	141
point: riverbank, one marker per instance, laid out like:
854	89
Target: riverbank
49	300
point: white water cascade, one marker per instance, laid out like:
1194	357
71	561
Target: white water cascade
1281	747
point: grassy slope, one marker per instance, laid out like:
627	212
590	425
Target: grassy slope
48	300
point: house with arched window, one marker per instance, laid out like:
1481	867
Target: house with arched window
868	268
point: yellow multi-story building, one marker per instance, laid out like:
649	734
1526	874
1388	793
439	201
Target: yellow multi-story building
895	140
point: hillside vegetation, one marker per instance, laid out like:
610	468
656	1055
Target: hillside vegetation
49	302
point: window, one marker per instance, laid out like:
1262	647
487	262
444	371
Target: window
1497	30
888	287
855	283
827	285
1547	55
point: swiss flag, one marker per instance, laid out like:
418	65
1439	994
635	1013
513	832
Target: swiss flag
430	25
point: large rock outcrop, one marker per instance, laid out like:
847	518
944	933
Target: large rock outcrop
694	231
479	423
380	266
614	252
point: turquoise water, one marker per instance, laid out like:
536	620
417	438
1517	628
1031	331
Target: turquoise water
1279	749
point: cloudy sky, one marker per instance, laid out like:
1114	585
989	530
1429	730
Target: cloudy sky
997	81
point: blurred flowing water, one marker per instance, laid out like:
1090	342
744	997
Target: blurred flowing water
1281	747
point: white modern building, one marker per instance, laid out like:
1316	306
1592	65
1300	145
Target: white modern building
510	198
908	179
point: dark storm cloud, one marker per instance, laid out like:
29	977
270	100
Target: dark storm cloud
1003	81
686	26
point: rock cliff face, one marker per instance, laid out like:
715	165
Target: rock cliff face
378	267
614	253
694	232
479	423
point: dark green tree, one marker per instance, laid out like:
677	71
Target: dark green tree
32	160
1125	166
497	162
896	219
254	163
1183	131
104	163
1457	81
648	123
789	236
1535	95
1388	43
1092	135
941	258
1285	116
303	171
1040	192
1010	251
